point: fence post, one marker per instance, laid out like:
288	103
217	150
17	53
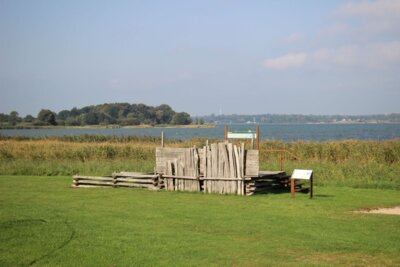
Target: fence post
258	136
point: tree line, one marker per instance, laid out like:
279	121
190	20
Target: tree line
299	118
123	114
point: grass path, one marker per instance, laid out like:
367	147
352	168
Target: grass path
45	222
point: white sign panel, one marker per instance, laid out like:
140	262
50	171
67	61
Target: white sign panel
241	135
302	174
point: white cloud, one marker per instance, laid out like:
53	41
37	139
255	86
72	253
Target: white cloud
379	15
378	8
373	56
291	60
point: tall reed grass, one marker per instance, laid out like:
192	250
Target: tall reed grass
351	162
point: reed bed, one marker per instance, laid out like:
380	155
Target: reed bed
351	162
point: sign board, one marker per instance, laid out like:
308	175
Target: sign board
241	135
302	174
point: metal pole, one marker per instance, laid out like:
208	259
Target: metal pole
162	138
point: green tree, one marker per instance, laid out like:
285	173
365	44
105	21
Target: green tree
29	118
63	115
46	117
3	117
13	118
181	118
90	118
164	114
70	121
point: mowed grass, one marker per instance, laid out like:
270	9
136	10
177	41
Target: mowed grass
45	222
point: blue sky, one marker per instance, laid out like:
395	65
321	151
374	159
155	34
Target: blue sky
241	57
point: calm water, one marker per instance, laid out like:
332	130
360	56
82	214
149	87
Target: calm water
285	132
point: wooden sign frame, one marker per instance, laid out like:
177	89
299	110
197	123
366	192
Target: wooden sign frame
254	136
302	175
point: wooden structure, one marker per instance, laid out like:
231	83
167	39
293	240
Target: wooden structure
223	168
121	179
179	168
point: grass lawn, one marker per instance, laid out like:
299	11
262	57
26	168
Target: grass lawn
43	221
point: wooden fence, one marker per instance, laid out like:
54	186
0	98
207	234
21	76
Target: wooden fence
120	179
222	168
216	168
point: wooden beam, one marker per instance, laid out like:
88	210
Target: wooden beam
225	132
180	177
258	136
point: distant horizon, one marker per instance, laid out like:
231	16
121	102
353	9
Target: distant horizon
204	115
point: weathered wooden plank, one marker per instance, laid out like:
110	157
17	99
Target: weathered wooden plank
89	182
133	180
180	177
134	174
242	160
252	163
220	179
94	178
136	185
88	186
231	160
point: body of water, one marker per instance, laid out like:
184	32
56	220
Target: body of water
284	132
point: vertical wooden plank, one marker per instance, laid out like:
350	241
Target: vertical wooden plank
258	136
225	159
220	169
205	161
242	160
231	159
214	151
237	161
196	183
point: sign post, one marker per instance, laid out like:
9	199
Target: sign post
301	175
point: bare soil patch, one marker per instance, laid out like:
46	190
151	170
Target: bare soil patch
390	211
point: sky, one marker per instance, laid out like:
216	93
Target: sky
202	57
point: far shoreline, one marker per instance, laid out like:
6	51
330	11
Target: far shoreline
172	126
143	126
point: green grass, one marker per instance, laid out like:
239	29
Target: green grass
45	222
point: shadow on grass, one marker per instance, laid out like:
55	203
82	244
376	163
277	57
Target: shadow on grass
323	195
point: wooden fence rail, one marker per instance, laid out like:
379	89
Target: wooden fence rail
121	179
